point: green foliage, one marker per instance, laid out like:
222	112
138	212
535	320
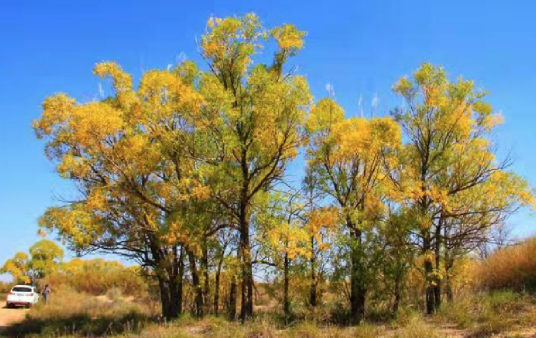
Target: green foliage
46	257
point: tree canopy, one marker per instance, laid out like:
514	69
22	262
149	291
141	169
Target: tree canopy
186	172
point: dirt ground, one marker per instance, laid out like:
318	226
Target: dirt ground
11	316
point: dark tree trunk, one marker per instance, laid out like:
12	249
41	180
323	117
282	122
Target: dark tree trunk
232	299
312	293
430	290
357	282
396	302
286	301
165	265
246	309
429	274
437	279
170	297
198	311
206	277
217	286
174	299
164	298
397	293
448	285
180	281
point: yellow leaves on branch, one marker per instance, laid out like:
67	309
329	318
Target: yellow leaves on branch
73	222
289	238
364	138
231	39
288	37
164	93
319	221
121	80
324	115
56	110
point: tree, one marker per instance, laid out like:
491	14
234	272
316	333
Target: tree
320	224
398	254
45	258
18	268
253	116
282	238
448	155
350	156
129	156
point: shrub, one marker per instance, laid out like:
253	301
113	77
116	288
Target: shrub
512	267
5	287
98	277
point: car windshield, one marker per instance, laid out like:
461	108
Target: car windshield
21	289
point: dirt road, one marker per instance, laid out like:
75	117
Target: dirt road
11	316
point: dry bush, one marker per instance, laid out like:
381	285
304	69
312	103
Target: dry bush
512	267
98	277
5	287
66	303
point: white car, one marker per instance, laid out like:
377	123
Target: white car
22	295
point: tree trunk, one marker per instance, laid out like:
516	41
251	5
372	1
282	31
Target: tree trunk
164	298
198	311
397	293
217	284
286	301
232	299
429	274
170	297
312	292
165	266
357	283
180	281
246	309
437	278
396	303
448	285
206	277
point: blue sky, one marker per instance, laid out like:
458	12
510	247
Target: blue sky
359	47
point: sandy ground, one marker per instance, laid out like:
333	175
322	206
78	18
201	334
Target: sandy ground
11	316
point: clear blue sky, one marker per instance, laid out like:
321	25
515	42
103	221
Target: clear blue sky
360	47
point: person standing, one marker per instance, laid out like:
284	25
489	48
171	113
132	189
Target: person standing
46	293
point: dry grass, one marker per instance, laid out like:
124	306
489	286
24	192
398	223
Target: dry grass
5	287
512	267
97	277
488	314
73	313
